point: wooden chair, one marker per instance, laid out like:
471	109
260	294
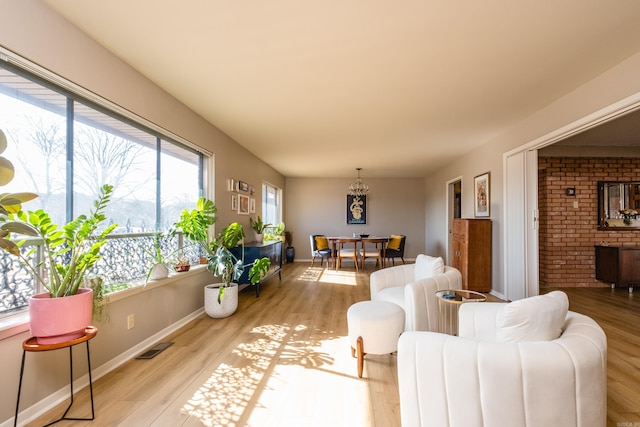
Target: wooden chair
348	251
377	250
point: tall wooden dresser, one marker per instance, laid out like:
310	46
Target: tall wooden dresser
472	252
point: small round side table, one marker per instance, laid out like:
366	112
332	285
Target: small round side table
448	305
30	344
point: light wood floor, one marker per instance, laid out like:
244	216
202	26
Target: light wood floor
283	360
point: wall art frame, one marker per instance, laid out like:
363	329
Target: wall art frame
243	204
482	195
356	209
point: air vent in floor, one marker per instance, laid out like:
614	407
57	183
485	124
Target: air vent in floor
153	352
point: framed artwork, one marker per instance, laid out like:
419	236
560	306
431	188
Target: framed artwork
243	186
482	192
243	204
234	202
231	184
356	209
252	205
252	190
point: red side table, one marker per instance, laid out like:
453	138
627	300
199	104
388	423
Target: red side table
31	344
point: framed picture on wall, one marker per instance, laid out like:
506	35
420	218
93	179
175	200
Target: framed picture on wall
243	204
482	193
234	202
356	209
252	205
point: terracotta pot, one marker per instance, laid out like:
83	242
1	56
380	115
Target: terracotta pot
55	320
228	304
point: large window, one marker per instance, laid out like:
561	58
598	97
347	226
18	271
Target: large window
271	204
64	148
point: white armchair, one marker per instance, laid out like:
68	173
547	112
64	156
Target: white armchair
417	297
477	380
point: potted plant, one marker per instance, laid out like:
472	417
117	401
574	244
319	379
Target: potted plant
194	224
220	260
68	255
159	263
221	299
258	228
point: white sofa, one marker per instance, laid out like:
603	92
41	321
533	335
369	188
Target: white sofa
417	297
477	380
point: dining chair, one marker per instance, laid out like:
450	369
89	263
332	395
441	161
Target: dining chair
395	248
374	250
345	250
320	248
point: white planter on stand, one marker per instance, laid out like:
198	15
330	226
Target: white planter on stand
228	304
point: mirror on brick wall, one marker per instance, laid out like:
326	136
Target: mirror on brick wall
618	205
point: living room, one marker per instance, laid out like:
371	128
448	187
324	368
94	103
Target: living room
416	206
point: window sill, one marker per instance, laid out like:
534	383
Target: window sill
19	322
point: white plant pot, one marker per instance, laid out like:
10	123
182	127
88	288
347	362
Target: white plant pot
159	271
258	237
228	304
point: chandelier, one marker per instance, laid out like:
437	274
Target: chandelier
358	188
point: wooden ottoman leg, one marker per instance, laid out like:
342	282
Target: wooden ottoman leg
360	345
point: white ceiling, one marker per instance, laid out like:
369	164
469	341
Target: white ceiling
399	88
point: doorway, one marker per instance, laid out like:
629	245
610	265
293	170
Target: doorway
454	210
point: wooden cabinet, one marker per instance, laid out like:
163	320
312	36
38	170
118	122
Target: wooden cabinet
253	251
618	265
472	252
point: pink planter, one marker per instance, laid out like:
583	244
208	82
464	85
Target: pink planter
55	320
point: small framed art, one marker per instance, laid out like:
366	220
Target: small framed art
252	205
234	202
243	204
482	195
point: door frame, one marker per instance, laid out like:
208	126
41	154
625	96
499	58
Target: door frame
450	214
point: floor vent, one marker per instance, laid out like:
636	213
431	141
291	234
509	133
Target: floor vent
153	352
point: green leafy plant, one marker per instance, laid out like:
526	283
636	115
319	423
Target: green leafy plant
275	233
69	253
195	223
158	257
258	226
10	202
223	263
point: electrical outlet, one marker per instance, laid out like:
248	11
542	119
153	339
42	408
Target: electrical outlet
575	204
130	322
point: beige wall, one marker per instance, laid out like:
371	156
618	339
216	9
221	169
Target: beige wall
318	206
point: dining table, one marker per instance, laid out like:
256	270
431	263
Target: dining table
334	241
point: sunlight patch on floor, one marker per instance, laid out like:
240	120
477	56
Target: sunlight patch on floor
328	275
340	277
282	363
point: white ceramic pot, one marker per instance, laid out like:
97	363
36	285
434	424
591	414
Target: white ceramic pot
258	237
159	271
227	305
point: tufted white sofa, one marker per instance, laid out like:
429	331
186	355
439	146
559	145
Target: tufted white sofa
417	297
477	380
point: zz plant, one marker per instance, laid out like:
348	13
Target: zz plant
68	253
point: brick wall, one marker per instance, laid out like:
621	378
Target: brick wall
567	235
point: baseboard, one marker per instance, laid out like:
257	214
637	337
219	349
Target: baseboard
31	413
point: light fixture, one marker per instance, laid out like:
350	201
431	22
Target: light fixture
358	189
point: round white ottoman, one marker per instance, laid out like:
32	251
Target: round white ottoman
374	328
